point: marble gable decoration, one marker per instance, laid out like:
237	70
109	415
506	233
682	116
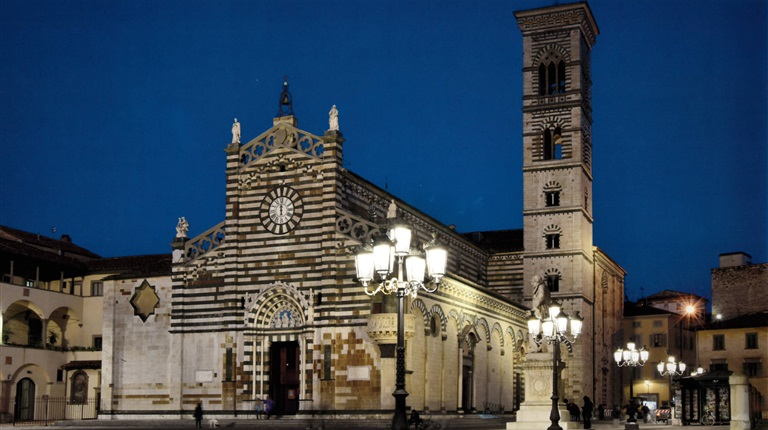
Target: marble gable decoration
144	301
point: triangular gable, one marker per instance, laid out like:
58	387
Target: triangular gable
282	135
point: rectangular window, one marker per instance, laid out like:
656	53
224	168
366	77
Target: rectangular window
553	283
715	366
97	288
553	198
751	341
97	343
658	323
228	368
29	283
753	368
658	340
636	324
59	375
553	241
718	342
327	362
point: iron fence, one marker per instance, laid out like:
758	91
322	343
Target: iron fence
46	410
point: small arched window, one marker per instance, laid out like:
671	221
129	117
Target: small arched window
552	278
553	144
552	194
552	237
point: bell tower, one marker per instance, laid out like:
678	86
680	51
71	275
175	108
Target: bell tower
557	169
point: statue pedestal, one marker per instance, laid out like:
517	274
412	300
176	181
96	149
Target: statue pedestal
535	411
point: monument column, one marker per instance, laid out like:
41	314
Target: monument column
534	412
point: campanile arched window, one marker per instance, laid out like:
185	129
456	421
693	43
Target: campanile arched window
552	236
552	77
552	278
553	144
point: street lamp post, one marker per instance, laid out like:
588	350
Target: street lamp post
671	367
395	246
554	330
631	357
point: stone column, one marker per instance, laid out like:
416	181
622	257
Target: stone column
460	385
739	401
5	397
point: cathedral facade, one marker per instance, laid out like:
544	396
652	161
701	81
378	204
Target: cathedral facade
266	304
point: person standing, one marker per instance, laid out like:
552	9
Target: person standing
586	412
198	414
268	405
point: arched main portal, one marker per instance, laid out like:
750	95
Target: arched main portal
281	337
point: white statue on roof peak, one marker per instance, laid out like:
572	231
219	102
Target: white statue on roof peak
333	119
236	132
182	228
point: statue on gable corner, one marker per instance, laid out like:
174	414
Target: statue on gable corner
333	119
236	132
182	228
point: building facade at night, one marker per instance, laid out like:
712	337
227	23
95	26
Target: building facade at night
265	303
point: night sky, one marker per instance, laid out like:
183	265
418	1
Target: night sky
114	116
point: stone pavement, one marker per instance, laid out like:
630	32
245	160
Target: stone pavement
470	422
453	422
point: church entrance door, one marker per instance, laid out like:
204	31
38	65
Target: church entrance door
284	371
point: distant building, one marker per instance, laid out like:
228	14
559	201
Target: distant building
737	338
681	303
662	333
738	286
52	321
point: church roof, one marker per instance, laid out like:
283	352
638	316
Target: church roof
133	266
667	295
498	240
641	309
754	319
43	247
82	364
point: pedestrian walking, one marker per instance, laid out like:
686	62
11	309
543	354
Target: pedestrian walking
198	414
586	412
268	405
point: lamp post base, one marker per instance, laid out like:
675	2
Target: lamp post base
400	420
537	418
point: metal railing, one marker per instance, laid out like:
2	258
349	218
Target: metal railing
46	410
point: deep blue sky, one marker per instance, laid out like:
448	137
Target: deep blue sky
114	116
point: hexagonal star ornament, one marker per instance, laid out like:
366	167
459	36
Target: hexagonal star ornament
144	301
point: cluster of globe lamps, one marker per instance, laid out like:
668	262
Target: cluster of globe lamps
391	254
